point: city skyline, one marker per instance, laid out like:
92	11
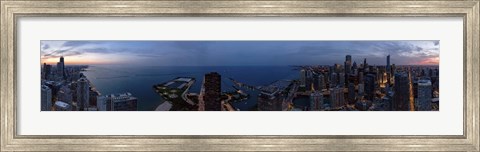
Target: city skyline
235	53
348	80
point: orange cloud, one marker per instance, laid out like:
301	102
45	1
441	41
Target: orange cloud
430	61
75	61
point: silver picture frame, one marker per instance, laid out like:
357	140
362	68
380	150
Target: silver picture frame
12	10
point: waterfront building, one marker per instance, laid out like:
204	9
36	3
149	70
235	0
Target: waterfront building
102	103
212	88
93	94
424	100
316	101
337	97
303	78
83	93
401	98
272	97
46	99
268	101
62	106
117	102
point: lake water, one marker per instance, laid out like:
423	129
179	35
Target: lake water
139	80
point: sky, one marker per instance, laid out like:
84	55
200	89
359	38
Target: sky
239	53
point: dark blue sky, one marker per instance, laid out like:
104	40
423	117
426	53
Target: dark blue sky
227	53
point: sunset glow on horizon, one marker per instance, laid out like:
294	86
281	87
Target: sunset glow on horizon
211	53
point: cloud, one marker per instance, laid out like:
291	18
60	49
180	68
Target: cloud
45	46
79	43
250	52
73	48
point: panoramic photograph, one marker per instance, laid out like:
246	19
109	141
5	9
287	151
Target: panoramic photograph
101	75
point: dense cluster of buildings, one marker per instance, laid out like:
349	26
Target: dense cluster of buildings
65	88
346	87
371	87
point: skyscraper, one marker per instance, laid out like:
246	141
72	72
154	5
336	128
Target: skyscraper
351	93
46	101
354	69
342	80
46	71
348	69
388	62
117	102
61	68
348	58
401	92
83	93
360	78
316	101
303	78
65	94
388	70
370	80
337	98
424	100
321	82
212	86
361	89
392	73
333	80
365	65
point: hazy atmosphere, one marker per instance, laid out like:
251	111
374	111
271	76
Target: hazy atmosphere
236	53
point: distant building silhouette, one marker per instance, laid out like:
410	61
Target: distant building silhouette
61	68
83	93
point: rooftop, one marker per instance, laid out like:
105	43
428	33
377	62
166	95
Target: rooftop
424	82
61	104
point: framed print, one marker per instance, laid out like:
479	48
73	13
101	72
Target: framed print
239	75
